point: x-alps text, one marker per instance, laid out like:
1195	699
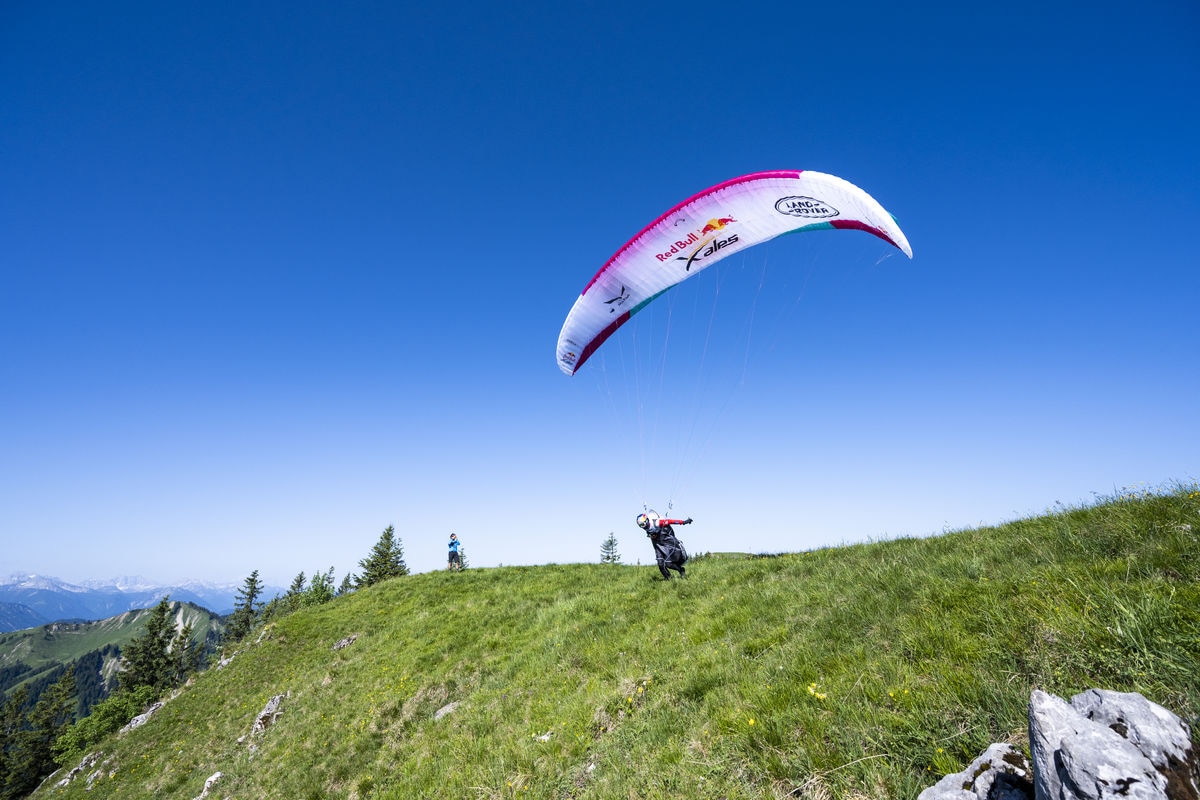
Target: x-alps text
714	225
706	249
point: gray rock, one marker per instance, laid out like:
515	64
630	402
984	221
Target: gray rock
87	763
1095	762
1157	734
1101	746
1051	720
141	719
1001	773
209	784
342	644
268	715
1107	745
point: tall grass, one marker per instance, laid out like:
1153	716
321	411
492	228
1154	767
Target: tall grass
855	672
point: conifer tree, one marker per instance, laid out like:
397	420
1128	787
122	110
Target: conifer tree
186	656
32	758
289	601
160	657
608	550
246	608
12	723
320	588
386	560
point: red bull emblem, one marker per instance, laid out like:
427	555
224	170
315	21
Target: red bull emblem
716	224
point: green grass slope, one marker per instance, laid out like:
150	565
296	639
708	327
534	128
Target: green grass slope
864	671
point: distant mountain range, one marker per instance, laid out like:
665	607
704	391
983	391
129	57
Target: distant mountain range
27	601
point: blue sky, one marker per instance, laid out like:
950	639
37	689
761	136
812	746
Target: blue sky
276	276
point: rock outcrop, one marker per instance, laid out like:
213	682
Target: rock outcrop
449	708
209	784
269	714
1100	745
89	761
143	718
1001	773
342	644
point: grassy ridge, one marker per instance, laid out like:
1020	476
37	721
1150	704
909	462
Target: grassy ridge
861	671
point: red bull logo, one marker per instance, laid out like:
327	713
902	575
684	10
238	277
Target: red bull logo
679	245
716	224
712	226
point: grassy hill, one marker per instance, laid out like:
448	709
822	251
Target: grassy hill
864	671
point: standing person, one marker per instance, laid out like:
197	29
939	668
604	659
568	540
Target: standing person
455	560
668	550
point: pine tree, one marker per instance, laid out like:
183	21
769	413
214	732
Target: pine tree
32	759
12	724
246	608
320	588
386	560
608	550
89	679
186	655
147	660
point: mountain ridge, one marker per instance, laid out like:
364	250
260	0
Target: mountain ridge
28	599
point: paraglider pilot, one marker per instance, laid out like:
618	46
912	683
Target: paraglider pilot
668	550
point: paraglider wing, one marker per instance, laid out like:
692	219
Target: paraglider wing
699	232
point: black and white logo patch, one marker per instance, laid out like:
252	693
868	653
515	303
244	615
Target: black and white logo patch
617	301
807	207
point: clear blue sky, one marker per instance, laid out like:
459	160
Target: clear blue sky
277	275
